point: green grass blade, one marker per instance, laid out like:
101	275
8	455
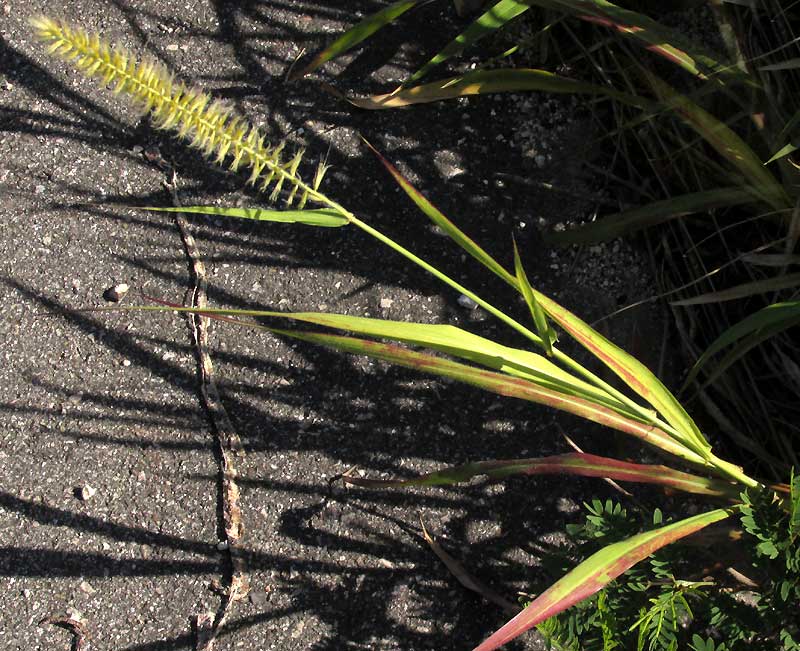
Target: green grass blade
657	212
498	383
783	151
744	290
652	35
456	342
785	133
324	217
469	246
440	220
356	34
724	140
631	371
537	313
748	333
596	572
483	82
582	464
492	20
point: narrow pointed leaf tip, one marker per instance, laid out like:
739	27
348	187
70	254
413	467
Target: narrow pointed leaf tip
440	220
596	572
356	34
497	16
631	371
207	124
544	331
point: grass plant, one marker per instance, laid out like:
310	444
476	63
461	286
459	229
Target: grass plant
645	410
710	153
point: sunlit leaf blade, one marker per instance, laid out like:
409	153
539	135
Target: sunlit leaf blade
440	220
356	34
493	19
657	212
324	217
631	371
652	35
748	333
539	318
582	464
597	571
498	383
482	82
783	151
453	341
724	140
787	281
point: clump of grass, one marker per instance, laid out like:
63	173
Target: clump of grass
645	409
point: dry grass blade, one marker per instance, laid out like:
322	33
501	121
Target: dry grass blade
464	577
744	290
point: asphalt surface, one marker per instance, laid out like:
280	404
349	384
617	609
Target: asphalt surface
110	400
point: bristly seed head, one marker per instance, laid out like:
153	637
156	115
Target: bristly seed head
210	125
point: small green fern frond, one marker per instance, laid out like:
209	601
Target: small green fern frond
209	125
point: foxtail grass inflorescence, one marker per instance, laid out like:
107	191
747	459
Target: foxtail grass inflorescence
210	125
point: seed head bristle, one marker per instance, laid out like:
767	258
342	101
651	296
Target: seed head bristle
209	125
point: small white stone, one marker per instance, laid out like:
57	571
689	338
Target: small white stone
172	47
126	363
386	303
86	492
87	587
116	293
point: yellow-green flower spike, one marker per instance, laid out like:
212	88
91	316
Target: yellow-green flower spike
207	124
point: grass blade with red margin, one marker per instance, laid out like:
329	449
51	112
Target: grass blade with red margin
585	465
484	82
596	572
